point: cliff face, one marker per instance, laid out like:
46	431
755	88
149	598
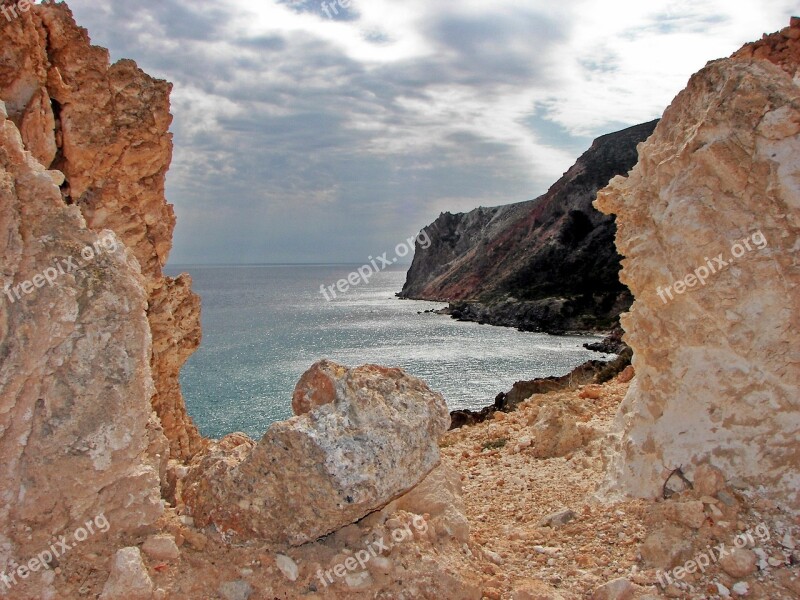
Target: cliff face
106	129
709	223
546	264
74	384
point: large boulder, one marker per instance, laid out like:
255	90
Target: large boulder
374	439
709	223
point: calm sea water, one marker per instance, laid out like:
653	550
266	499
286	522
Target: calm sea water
263	326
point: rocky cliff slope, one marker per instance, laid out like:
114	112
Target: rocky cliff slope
709	224
105	128
544	265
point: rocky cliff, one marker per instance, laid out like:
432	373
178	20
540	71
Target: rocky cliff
544	265
106	129
709	224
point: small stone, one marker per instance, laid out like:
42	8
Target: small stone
358	581
666	547
691	514
618	589
287	566
557	519
128	579
739	563
787	541
722	590
593	392
741	588
161	547
708	480
627	374
186	520
494	557
235	590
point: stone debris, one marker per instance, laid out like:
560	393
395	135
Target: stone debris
128	579
287	566
161	547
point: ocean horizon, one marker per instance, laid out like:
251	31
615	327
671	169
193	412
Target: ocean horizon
265	324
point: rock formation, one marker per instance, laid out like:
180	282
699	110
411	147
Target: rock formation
371	435
544	265
106	129
709	223
75	380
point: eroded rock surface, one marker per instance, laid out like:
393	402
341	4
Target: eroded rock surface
375	439
106	128
715	195
75	382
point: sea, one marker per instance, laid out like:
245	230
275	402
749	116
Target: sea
264	325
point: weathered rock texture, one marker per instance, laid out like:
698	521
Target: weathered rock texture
375	438
75	381
718	366
544	265
106	129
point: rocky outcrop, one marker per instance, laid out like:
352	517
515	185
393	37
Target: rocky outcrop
544	265
75	382
709	223
106	129
370	435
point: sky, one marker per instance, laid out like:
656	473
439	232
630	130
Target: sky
320	132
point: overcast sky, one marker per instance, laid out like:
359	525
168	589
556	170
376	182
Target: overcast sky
303	137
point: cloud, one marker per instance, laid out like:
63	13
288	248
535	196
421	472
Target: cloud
301	137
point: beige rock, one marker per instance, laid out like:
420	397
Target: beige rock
129	579
376	441
719	174
161	547
691	513
555	433
708	481
531	589
739	562
440	496
666	547
617	589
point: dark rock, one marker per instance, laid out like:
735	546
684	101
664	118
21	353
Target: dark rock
612	344
588	372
